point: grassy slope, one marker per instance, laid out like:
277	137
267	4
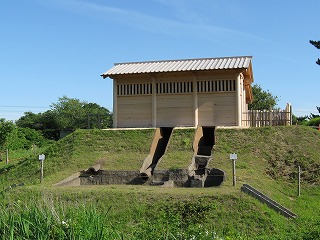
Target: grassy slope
267	160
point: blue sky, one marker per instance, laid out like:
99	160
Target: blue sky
52	48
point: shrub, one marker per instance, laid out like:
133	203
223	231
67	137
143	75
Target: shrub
314	121
24	138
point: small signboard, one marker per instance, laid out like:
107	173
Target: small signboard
233	156
42	157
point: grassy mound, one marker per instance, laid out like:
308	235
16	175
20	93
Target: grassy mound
267	159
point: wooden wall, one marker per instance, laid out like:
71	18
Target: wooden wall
134	111
217	109
171	99
175	110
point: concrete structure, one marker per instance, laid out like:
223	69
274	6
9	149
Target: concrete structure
190	93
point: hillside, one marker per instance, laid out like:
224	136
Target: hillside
267	159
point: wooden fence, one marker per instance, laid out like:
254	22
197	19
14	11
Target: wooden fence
271	117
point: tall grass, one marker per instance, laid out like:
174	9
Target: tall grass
147	213
48	220
52	219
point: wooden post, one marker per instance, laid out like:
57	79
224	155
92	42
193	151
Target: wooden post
7	157
195	101
288	114
299	179
154	102
233	157
41	171
115	104
270	116
238	100
234	181
41	159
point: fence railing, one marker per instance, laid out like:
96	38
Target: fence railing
271	117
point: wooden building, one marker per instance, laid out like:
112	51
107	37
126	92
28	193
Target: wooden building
190	92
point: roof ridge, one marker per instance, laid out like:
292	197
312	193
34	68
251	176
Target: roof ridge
178	60
179	65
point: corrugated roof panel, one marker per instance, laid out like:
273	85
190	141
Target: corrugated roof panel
241	61
237	62
209	64
247	62
154	68
233	61
199	64
194	65
183	65
202	64
218	64
187	66
170	66
227	63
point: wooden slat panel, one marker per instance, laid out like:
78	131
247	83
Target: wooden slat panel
134	111
217	109
175	110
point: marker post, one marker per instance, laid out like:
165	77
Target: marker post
234	157
42	157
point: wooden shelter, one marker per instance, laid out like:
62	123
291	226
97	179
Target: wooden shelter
189	92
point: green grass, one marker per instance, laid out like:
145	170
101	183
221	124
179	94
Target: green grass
179	151
135	212
267	159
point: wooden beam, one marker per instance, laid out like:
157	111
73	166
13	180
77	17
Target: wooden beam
195	101
115	104
154	102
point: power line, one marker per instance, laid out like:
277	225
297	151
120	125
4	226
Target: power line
24	106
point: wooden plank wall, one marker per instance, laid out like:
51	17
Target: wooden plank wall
217	109
135	111
175	101
175	110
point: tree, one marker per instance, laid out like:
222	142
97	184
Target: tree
66	114
302	120
6	127
315	115
14	137
262	100
317	45
44	122
97	116
71	113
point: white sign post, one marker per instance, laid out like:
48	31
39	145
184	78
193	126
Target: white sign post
233	157
42	157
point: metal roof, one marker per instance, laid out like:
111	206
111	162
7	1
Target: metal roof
199	64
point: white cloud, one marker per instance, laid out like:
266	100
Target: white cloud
148	23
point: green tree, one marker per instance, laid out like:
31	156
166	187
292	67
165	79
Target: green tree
262	100
70	113
6	127
315	115
44	122
24	138
66	114
302	120
97	116
317	45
